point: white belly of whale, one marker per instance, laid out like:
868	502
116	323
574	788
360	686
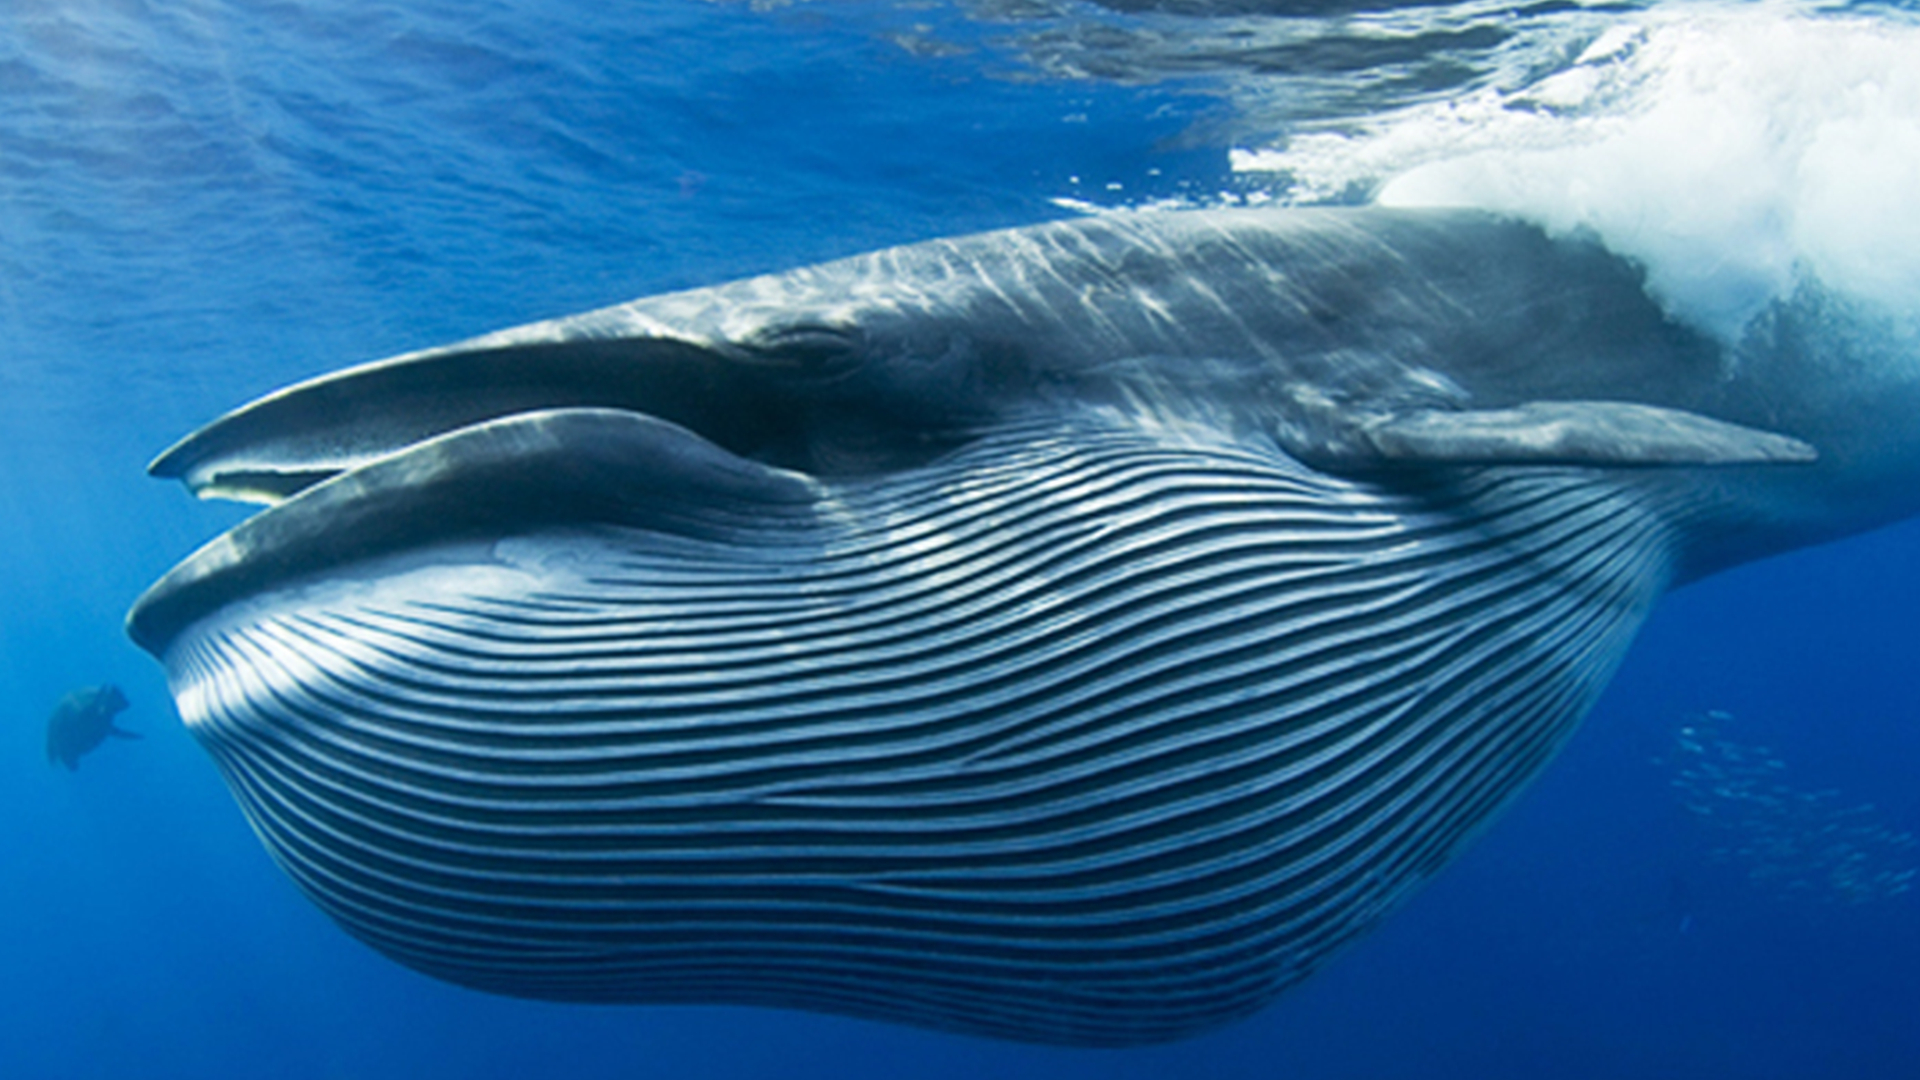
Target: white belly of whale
1090	739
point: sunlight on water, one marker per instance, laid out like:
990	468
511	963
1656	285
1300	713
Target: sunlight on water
1730	150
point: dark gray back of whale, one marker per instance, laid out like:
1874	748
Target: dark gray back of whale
1071	634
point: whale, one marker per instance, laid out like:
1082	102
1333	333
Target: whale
1071	634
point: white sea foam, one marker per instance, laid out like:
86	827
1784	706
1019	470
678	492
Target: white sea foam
1731	150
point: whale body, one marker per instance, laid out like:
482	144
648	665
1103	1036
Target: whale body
1072	633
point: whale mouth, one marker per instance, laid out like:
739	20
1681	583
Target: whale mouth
288	441
574	466
536	426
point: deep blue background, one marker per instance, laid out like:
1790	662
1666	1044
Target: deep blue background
201	200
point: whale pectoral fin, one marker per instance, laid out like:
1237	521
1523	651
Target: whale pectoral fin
1598	433
577	467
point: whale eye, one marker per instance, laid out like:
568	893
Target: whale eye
812	349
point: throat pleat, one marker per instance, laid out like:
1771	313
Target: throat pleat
1083	736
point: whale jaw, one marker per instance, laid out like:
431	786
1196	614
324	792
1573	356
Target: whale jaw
1086	734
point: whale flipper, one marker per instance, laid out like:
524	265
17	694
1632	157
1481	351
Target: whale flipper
1602	433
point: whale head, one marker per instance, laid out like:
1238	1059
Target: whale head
1073	633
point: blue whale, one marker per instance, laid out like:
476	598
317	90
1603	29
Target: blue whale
1073	634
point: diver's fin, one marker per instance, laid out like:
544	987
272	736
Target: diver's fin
1598	433
122	733
576	467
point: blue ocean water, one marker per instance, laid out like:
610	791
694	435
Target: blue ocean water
203	200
